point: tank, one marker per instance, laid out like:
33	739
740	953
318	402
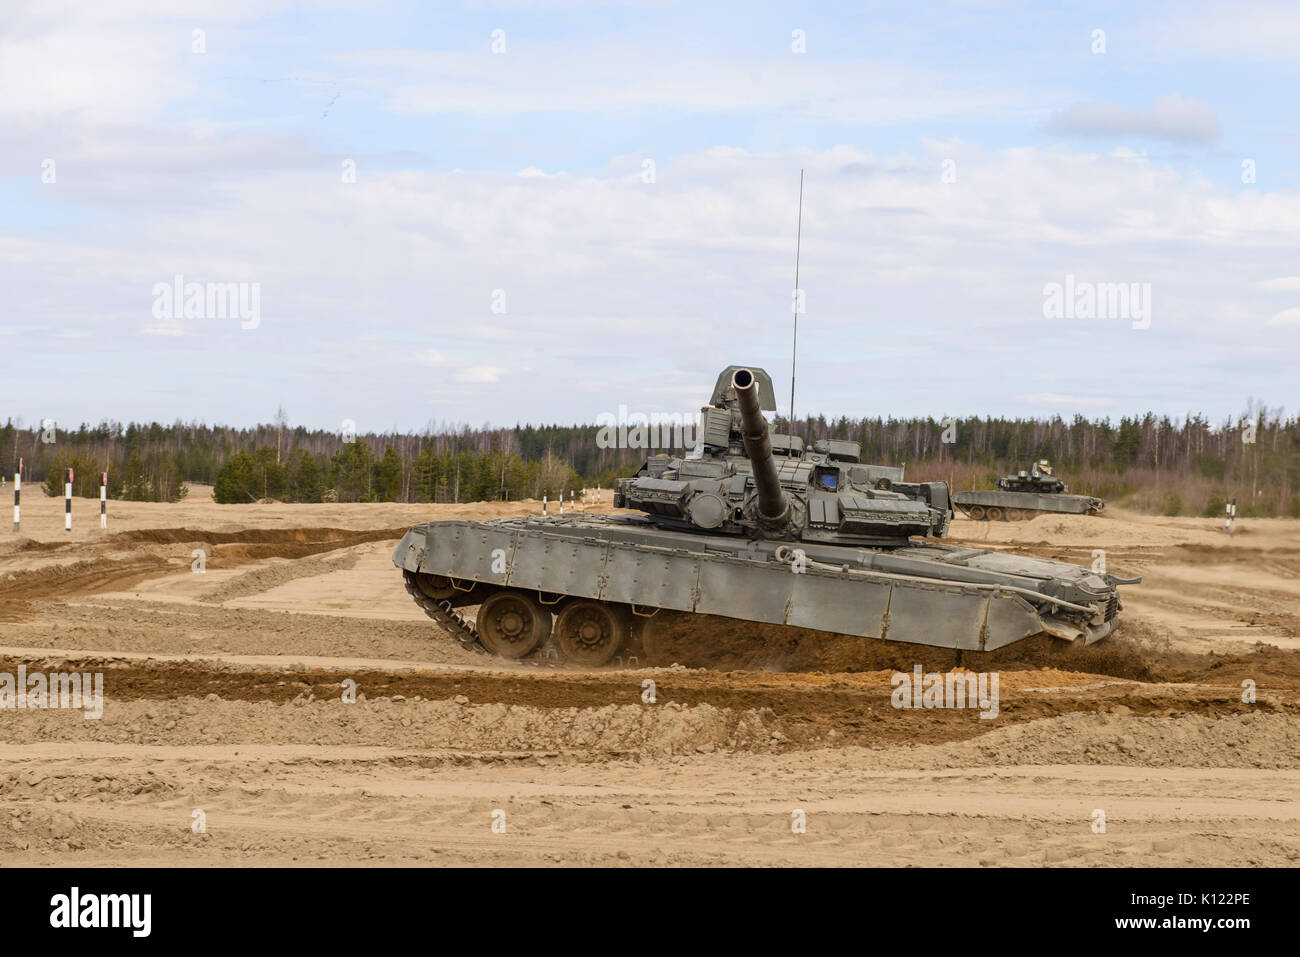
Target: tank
753	526
1025	495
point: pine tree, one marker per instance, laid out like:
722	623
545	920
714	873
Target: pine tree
350	472
235	481
388	477
308	481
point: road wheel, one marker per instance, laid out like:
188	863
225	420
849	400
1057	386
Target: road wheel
434	586
590	633
1014	515
977	512
995	514
512	624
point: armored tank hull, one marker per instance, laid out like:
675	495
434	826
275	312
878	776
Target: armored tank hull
583	585
996	505
749	526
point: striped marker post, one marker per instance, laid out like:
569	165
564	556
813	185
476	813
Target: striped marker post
67	503
543	503
103	500
18	488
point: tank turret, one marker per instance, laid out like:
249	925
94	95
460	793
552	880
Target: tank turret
1038	479
743	479
748	525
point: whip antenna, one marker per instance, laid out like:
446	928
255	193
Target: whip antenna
794	349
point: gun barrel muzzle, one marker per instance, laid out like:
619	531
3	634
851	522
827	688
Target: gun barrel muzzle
773	504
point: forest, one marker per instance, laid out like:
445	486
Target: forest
1185	467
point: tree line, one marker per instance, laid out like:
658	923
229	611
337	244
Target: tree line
1186	466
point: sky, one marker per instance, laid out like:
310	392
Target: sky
517	212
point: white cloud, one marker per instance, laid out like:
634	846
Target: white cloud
1241	29
480	374
1058	402
1281	284
1174	118
921	293
77	64
424	357
618	77
1287	317
918	290
164	327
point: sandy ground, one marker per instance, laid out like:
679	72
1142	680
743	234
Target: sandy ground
223	706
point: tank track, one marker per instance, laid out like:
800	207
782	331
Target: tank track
464	632
450	620
1024	513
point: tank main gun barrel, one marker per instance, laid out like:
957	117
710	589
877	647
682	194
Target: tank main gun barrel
773	504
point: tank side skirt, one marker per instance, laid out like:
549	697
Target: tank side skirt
874	604
1062	504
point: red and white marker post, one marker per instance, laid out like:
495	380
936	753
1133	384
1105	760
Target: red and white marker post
18	488
67	503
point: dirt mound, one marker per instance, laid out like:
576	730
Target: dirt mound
76	578
252	544
170	629
267	577
1117	738
21	546
727	644
409	723
30	828
1126	654
166	536
1132	653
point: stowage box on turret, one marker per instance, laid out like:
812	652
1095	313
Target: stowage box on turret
749	525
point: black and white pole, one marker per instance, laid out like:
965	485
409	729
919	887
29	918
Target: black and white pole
103	500
543	503
18	489
67	503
